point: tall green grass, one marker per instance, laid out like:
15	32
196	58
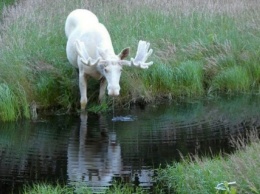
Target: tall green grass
213	34
233	79
46	188
33	57
8	103
200	48
202	175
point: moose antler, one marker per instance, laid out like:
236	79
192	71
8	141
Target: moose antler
84	56
142	54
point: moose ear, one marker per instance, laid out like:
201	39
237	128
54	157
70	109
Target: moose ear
124	53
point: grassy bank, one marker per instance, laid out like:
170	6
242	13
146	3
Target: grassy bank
206	175
201	48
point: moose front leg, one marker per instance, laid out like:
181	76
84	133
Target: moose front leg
83	90
102	89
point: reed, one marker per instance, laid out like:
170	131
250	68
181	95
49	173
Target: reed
201	48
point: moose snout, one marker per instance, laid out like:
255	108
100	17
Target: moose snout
113	90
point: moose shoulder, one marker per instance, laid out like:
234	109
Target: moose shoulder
89	48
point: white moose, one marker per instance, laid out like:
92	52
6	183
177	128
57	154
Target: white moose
89	48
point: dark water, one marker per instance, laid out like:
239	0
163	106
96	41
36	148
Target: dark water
97	149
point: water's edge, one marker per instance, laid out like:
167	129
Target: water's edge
96	149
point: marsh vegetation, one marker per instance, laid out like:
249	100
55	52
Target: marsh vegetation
202	48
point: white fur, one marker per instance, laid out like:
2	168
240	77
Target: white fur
89	48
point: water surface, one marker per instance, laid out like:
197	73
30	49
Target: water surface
97	149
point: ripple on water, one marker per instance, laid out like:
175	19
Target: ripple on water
98	149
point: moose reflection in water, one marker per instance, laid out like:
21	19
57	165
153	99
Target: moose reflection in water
93	157
95	150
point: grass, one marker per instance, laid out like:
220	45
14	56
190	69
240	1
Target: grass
202	175
200	48
233	79
8	108
47	189
79	189
34	58
5	3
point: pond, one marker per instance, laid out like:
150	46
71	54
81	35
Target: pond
97	149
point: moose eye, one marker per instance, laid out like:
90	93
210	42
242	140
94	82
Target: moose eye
106	70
